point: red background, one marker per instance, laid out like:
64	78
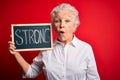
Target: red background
100	22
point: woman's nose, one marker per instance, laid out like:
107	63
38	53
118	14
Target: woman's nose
62	24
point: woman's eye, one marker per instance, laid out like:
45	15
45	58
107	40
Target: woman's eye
57	21
67	21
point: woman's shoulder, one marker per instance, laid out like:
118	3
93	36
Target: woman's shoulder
82	43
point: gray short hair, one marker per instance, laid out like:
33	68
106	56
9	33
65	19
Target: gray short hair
65	6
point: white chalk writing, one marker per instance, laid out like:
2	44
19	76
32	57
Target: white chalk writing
32	36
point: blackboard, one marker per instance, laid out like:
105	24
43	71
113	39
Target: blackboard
32	36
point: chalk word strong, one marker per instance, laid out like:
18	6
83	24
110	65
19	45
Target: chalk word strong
32	36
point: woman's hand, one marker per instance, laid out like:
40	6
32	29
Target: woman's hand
12	47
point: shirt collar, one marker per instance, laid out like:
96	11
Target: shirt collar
73	42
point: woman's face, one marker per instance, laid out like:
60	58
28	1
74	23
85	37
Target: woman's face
64	25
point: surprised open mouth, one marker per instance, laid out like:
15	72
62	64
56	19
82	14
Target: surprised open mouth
61	32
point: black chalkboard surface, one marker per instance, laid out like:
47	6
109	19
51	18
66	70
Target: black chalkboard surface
32	36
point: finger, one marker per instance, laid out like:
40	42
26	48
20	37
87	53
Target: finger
12	45
11	49
10	42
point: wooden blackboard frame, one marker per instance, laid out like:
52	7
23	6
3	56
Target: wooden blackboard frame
32	25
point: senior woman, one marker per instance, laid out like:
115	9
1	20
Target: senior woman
70	58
